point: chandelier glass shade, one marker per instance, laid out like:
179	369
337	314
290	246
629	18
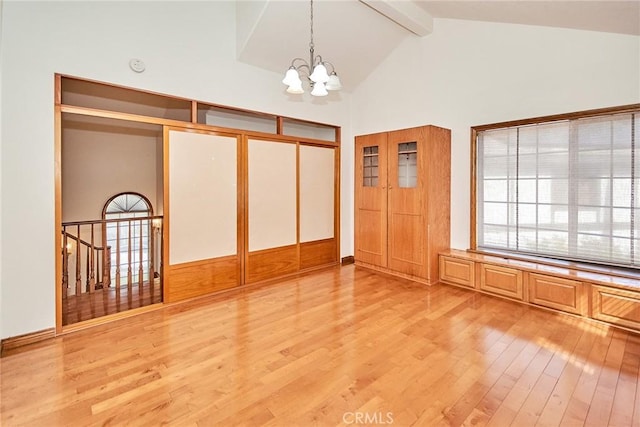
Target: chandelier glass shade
315	70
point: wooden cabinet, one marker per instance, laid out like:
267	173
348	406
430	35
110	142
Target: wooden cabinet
611	299
617	306
558	293
457	271
500	280
402	198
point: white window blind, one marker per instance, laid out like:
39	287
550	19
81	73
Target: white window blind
566	189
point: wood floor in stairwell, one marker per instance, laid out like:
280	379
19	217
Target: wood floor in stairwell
343	346
102	302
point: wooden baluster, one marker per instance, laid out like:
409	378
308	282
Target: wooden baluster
99	269
86	271
118	262
65	263
107	266
92	273
104	274
78	274
140	269
129	278
152	256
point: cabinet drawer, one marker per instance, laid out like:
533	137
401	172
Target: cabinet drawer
457	271
501	280
616	306
554	292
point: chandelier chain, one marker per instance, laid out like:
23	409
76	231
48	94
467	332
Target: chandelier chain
311	42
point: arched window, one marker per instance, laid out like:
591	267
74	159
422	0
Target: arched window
128	239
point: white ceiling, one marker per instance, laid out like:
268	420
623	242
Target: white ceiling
356	37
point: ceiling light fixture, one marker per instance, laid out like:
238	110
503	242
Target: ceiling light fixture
320	80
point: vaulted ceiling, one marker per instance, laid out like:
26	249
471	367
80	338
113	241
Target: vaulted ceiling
356	35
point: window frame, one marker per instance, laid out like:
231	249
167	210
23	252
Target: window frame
475	130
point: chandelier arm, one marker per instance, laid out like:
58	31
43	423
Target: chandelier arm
333	69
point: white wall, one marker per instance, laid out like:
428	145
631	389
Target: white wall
189	50
1	239
471	73
102	163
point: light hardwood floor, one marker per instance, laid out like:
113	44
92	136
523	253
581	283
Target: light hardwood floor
331	348
106	301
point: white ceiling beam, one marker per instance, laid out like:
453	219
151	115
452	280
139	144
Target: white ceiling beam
404	13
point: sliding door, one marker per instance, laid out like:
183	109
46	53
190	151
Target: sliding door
272	229
318	239
201	213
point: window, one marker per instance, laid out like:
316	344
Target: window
562	187
129	239
370	171
407	164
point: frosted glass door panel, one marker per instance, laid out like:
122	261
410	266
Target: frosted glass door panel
316	193
272	194
202	196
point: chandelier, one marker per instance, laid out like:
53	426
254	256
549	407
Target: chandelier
316	71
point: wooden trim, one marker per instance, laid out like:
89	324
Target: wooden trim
336	201
559	117
57	94
179	98
349	259
279	125
94	112
57	153
26	339
473	190
298	203
394	273
241	202
585	267
194	111
245	205
166	223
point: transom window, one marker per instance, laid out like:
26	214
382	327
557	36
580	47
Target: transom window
129	239
562	187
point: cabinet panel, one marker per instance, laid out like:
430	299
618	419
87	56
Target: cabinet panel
554	292
458	271
371	199
616	306
406	162
501	280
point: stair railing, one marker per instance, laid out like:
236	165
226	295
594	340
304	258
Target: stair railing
87	241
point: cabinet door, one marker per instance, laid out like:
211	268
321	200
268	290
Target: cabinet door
201	206
371	199
406	213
